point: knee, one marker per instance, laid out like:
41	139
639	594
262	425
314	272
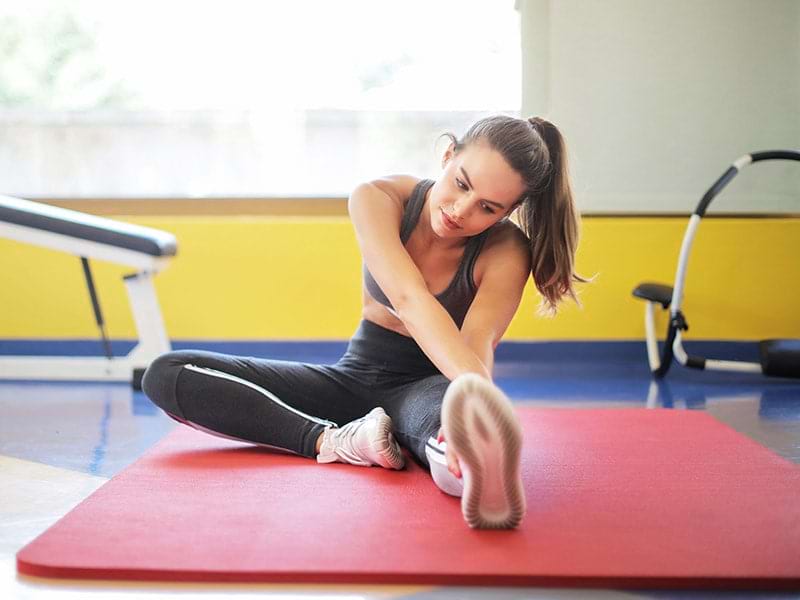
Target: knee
160	379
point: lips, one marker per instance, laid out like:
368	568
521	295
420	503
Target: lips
448	222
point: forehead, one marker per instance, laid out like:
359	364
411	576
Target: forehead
491	176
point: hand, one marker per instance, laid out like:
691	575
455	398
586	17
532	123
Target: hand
450	456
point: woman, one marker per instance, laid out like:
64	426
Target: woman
444	273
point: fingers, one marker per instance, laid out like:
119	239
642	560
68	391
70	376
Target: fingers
452	460
452	463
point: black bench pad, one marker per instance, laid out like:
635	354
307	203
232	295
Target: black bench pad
87	227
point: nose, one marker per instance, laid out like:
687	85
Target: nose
460	210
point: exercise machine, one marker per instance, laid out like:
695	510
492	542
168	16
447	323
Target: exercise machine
778	357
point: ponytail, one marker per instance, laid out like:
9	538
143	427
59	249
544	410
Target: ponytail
550	219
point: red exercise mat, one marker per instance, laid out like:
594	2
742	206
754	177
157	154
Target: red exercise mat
616	498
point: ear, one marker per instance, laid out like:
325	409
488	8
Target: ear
511	211
448	154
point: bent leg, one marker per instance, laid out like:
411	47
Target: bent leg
280	404
415	409
416	412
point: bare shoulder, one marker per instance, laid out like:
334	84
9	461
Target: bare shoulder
506	248
376	210
507	238
398	187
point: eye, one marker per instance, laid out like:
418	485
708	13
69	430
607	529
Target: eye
461	184
487	208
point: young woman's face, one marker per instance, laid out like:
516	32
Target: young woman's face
476	189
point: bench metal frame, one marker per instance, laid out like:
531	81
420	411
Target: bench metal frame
152	336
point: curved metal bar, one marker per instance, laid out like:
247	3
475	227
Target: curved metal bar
683	264
776	155
737	166
713	191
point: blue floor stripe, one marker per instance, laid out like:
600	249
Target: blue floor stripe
602	351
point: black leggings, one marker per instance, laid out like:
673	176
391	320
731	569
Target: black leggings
286	405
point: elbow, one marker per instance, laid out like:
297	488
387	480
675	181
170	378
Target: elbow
407	304
403	306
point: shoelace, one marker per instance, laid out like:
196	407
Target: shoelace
344	438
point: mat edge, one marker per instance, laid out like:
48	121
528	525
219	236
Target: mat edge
29	569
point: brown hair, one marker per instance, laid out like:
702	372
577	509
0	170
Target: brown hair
546	213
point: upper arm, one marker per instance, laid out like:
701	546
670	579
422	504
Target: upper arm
500	291
376	210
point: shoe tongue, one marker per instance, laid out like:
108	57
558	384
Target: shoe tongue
348	432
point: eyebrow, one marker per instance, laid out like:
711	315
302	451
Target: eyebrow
497	204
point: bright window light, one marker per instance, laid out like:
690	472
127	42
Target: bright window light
243	98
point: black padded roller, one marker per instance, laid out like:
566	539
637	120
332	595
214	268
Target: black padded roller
780	358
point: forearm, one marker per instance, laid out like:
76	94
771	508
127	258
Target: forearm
434	330
483	348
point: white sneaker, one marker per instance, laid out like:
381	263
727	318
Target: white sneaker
481	428
366	441
442	477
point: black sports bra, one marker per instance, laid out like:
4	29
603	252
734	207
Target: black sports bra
459	295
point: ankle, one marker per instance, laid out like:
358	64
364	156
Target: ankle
326	446
318	445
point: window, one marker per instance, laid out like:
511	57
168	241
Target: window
242	99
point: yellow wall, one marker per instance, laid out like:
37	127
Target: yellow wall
299	278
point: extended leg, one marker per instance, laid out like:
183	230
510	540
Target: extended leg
482	430
480	426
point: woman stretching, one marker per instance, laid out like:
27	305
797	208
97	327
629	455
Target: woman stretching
444	273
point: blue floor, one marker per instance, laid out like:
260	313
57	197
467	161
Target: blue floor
99	429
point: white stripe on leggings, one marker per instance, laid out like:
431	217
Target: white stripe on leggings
267	393
238	439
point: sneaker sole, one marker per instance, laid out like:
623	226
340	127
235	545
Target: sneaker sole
480	426
386	446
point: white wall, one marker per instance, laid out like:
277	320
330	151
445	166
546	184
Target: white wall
657	98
